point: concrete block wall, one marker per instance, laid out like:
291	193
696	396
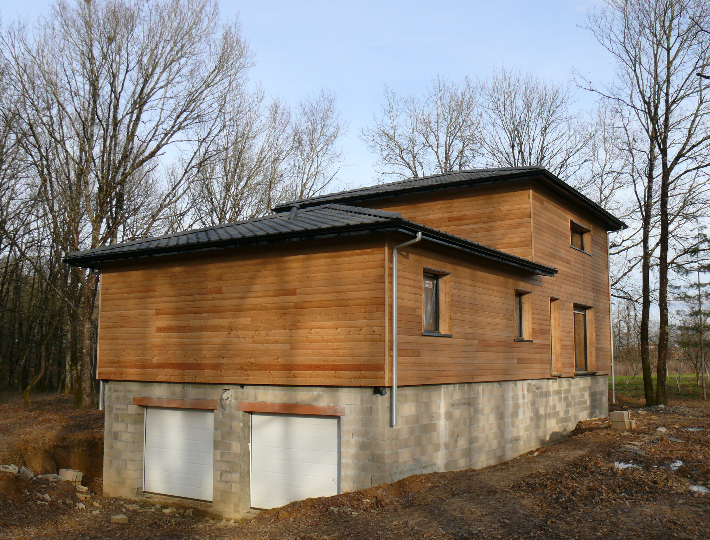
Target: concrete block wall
440	428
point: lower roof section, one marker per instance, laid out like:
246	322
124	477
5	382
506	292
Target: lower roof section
319	222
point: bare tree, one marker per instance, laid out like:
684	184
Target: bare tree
315	153
529	123
437	133
237	181
659	48
266	155
106	89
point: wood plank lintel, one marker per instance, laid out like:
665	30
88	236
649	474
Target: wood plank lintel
291	408
172	403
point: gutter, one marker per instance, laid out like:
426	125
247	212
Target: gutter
393	394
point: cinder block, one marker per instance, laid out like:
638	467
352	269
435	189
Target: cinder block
619	416
621	426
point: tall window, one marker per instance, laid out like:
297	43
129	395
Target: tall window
523	315
555	337
431	303
580	339
519	315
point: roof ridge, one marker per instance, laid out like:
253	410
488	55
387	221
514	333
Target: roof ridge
414	179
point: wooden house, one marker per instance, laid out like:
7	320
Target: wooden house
355	338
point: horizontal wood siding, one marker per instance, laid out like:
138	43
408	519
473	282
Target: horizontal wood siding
302	314
583	278
482	346
495	216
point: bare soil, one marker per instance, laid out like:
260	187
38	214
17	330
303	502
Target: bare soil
598	483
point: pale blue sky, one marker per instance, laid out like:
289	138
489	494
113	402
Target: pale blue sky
355	48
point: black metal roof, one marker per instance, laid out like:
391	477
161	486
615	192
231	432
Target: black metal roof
459	179
324	221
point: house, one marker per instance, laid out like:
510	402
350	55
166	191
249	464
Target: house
356	338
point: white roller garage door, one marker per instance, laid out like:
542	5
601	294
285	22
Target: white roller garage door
293	458
179	446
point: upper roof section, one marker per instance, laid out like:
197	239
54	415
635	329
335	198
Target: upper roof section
459	179
324	221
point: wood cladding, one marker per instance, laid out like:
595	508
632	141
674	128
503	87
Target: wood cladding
285	315
319	312
495	216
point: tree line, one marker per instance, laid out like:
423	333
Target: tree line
122	119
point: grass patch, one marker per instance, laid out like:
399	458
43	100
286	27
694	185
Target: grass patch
629	389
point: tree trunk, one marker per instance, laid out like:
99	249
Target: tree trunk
86	312
646	290
661	396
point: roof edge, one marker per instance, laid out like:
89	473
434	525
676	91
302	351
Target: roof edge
505	175
96	260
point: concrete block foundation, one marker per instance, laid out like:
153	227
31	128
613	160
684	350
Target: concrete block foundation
440	428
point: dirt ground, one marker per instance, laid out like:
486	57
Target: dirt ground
598	483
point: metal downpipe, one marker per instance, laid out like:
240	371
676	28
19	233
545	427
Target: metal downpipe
393	393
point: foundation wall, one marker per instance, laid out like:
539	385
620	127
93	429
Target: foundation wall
440	428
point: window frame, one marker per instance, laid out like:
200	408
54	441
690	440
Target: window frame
442	286
581	310
522	315
583	232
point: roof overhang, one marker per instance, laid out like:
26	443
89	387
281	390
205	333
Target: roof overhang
95	259
396	189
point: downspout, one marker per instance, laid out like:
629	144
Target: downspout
393	394
611	321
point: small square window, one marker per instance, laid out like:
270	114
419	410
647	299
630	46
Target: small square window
579	236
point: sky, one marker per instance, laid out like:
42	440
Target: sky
354	49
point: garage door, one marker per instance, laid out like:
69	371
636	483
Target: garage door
293	458
178	456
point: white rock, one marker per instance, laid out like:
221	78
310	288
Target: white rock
71	475
46	497
96	512
80	506
9	469
661	429
621	465
26	474
120	518
699	489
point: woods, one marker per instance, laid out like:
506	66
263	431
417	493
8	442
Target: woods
119	119
126	119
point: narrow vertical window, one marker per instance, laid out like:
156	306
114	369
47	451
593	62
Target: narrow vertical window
555	337
523	316
431	303
580	339
519	330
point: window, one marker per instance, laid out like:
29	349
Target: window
436	304
580	339
555	338
431	303
523	325
579	236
